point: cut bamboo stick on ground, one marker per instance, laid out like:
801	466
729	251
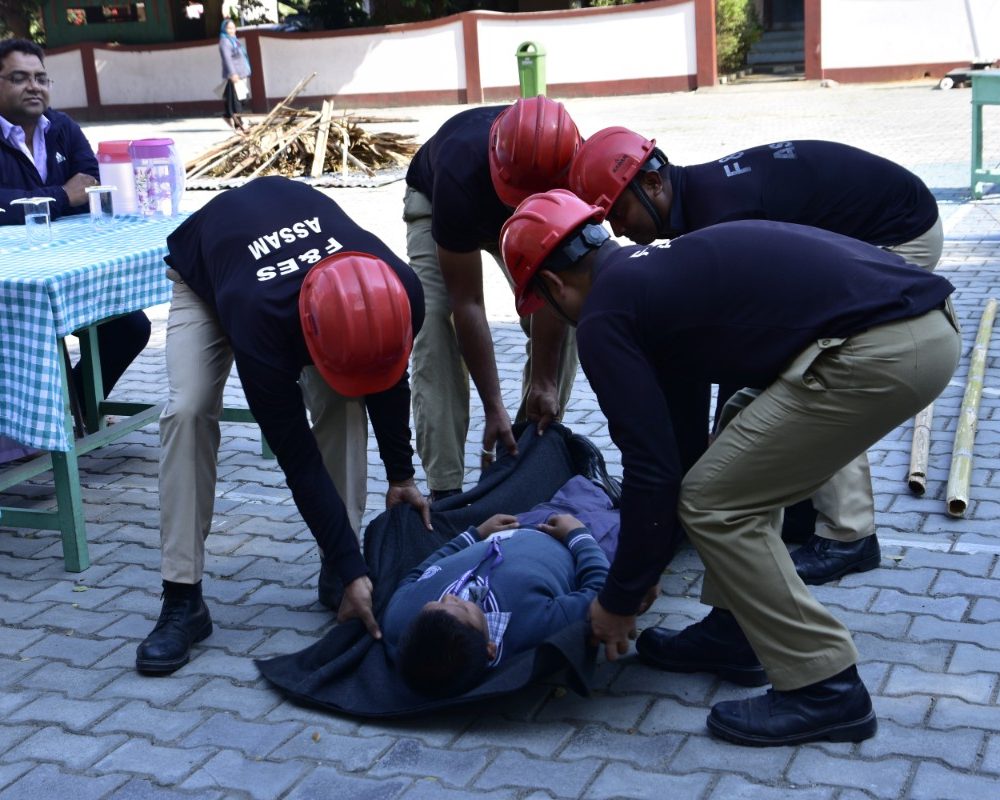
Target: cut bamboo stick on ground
960	474
920	451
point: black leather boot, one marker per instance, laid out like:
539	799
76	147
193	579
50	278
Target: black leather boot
184	620
837	709
822	560
331	589
716	644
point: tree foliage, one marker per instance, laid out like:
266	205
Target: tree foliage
21	19
737	27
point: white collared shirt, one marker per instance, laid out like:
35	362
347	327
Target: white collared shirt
14	135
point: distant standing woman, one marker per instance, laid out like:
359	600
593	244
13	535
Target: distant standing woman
235	68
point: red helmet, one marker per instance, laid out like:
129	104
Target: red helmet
606	163
537	227
356	319
532	144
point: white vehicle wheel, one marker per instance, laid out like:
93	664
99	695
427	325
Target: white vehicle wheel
946	82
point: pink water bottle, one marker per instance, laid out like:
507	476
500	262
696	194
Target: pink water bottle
115	166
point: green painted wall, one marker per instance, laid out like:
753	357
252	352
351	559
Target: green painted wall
157	25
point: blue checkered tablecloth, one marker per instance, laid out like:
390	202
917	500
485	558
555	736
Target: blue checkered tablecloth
49	291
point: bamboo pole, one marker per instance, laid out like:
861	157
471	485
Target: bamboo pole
965	435
920	450
319	151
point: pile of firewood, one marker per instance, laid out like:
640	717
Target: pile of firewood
297	142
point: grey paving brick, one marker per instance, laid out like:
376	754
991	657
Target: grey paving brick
211	662
637	677
931	656
259	779
11	735
974	564
671	715
563	779
541	739
77	650
431	789
81	595
236	641
11	772
14	612
703	754
250	738
440	730
887	625
733	787
623	712
985	609
68	749
72	621
168	765
280	643
975	688
934	782
9	701
321	744
449	767
970	658
48	781
130	685
912	581
883	778
77	715
644	751
141	719
907	710
247	702
14	641
324	782
284	619
991	758
929	628
139	789
951	713
952	607
957	747
621	781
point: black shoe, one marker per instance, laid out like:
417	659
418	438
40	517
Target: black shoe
822	560
716	644
837	709
442	494
331	588
184	620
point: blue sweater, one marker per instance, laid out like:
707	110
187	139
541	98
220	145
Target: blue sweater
68	152
543	584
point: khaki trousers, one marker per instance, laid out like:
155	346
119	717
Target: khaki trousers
836	399
199	360
439	378
845	507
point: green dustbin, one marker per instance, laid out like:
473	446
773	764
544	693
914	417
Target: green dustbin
531	69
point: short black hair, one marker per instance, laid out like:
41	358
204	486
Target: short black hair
440	656
8	46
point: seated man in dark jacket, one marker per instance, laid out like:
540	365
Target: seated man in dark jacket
43	153
491	592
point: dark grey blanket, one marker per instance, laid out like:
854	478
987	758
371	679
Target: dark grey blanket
349	672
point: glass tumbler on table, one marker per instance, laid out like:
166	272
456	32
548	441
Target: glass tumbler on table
37	217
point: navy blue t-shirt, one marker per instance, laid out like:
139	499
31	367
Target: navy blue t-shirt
246	253
825	184
452	168
733	303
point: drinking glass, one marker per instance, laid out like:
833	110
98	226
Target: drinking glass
102	211
37	226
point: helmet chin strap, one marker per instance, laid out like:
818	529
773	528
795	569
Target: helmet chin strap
543	289
654	163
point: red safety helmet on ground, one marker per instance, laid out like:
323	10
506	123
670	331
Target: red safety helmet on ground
534	231
606	163
356	319
532	144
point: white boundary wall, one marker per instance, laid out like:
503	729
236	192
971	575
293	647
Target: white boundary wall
881	33
647	43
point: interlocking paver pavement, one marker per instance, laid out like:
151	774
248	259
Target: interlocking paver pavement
76	721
